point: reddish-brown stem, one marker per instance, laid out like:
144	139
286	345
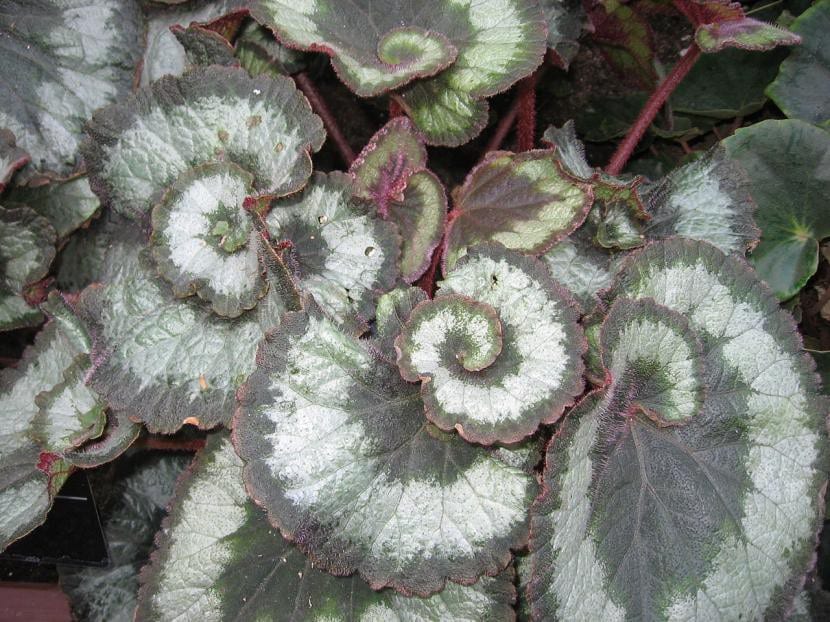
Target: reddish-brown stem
526	125
395	109
650	110
319	106
503	127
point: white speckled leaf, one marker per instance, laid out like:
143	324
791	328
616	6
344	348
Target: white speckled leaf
138	148
12	157
67	204
65	59
498	351
204	240
163	360
581	267
27	247
338	451
525	201
711	519
336	250
30	474
220	559
708	200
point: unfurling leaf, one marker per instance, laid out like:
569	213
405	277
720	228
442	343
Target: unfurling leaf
688	486
339	453
220	559
498	351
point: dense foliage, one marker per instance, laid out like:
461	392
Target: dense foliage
447	381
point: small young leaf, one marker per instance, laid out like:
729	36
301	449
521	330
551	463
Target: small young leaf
674	521
67	204
564	19
60	61
335	250
722	23
524	201
802	89
117	436
708	199
204	240
163	360
786	161
498	351
138	148
12	157
338	451
27	248
204	47
219	559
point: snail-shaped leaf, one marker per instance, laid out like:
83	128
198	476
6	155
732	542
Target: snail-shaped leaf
27	248
525	201
60	61
204	240
391	173
482	48
333	246
138	148
240	566
690	485
47	413
498	351
337	450
162	360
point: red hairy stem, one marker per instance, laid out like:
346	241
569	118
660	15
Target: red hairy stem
650	110
318	105
526	126
505	123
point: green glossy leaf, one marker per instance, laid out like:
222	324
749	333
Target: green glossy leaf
67	204
163	360
334	248
524	201
138	148
338	451
163	54
498	351
130	519
715	518
564	19
802	88
204	241
220	559
708	199
60	61
787	163
35	409
27	247
728	84
12	157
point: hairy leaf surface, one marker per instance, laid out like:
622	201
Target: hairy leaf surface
498	351
60	61
338	451
787	163
138	148
524	201
220	559
688	486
